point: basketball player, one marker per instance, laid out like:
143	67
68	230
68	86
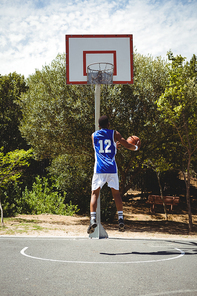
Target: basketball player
105	143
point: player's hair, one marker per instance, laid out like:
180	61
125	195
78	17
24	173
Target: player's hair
103	121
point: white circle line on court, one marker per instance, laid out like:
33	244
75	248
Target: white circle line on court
182	253
171	292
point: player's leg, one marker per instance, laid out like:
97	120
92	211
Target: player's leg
93	206
93	200
118	201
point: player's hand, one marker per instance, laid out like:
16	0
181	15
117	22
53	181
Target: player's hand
118	145
138	144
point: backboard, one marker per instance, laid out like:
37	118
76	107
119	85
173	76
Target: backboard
83	50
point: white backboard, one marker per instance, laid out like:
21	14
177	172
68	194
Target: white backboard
83	50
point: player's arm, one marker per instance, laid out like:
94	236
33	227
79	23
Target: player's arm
92	137
123	142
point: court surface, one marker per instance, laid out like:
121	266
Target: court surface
84	266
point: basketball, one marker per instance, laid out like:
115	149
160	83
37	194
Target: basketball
133	140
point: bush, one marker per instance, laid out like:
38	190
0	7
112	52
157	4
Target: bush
10	196
44	198
73	174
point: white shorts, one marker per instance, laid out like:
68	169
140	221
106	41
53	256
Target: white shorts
99	180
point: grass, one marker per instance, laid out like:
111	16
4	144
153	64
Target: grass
20	226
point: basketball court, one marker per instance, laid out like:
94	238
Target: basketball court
84	266
97	265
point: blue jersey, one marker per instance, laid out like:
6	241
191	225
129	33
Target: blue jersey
105	151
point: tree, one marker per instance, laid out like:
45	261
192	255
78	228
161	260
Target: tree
11	165
58	121
73	174
55	114
158	165
132	110
178	106
11	88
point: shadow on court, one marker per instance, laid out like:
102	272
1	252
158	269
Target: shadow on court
163	227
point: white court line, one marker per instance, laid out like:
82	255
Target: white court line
170	292
182	253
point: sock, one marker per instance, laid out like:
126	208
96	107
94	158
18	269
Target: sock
93	215
120	215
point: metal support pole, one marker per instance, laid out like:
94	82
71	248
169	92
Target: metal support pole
97	104
99	231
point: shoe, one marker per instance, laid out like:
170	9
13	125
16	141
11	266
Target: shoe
121	225
92	226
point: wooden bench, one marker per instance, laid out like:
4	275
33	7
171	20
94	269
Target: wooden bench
156	200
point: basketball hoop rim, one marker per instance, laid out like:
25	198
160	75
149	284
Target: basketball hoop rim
100	73
100	63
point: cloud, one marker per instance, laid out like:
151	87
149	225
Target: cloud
32	32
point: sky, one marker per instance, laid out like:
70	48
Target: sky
32	32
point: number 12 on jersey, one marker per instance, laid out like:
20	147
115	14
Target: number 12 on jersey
104	147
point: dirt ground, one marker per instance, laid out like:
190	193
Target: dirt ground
139	222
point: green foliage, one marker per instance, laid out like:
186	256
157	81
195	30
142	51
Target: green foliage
11	164
73	173
11	197
45	198
55	114
178	104
178	107
11	88
58	121
132	111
